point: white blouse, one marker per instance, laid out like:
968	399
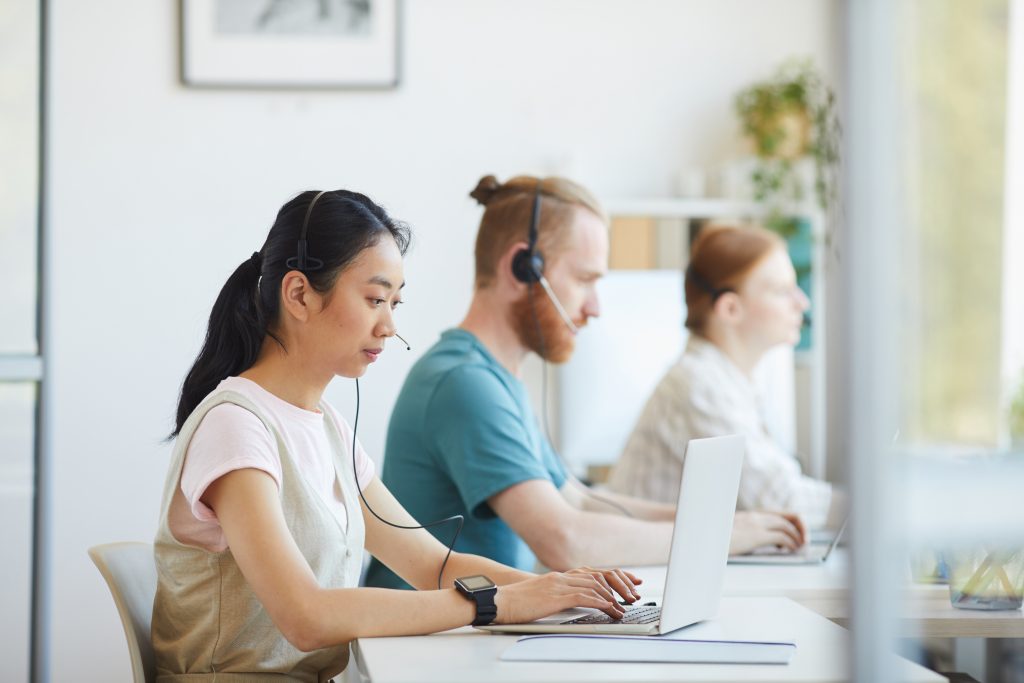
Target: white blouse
704	394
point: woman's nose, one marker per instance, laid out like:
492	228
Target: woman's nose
802	301
386	327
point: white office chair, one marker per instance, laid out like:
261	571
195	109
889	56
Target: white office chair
130	573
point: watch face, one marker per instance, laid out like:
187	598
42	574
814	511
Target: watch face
475	583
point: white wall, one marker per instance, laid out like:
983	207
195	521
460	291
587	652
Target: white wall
156	192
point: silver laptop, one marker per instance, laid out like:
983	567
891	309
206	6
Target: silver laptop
815	551
696	564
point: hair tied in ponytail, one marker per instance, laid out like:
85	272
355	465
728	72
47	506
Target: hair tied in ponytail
257	261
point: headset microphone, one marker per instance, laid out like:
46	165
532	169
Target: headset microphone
303	261
558	305
528	264
528	267
407	347
458	519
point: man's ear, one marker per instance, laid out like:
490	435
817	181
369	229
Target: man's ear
296	295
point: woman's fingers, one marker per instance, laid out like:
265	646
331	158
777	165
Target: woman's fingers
775	524
616	580
777	527
601	579
798	522
792	524
596	584
782	540
597	588
600	595
620	582
792	531
612	609
581	580
587	599
582	597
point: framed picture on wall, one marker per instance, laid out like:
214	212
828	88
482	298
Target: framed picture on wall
290	43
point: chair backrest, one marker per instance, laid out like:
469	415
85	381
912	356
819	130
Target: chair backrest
130	572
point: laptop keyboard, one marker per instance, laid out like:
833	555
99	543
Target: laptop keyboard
634	615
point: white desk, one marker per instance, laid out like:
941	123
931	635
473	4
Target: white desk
823	589
928	612
798	582
465	655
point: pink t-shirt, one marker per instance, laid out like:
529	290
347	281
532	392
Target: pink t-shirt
232	438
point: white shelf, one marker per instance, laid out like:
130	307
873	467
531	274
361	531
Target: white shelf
659	207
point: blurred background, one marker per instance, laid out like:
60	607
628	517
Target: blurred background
146	147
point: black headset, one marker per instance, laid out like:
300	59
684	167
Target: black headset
303	261
703	284
528	264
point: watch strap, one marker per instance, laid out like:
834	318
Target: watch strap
486	610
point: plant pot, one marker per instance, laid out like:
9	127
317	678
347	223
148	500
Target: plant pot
785	135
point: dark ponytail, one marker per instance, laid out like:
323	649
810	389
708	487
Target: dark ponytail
341	225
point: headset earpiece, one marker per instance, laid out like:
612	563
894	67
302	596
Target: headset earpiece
528	264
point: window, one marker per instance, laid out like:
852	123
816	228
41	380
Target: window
933	242
957	77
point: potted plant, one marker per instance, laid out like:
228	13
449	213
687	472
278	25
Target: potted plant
790	117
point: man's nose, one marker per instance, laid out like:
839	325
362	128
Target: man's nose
592	306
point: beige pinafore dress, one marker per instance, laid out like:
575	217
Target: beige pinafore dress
208	625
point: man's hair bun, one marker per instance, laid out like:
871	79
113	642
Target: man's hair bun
486	189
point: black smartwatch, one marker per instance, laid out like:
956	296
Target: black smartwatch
480	590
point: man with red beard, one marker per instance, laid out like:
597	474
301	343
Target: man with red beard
463	439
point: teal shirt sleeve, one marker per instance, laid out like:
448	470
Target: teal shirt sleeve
487	437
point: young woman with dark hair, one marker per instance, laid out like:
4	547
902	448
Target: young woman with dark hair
270	500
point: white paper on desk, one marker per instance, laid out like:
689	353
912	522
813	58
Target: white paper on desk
563	647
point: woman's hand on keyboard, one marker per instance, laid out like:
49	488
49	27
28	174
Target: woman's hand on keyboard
753	529
547	594
616	580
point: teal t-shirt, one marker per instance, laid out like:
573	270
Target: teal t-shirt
462	431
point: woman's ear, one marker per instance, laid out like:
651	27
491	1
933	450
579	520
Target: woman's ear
729	307
296	295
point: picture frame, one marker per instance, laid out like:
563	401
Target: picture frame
290	44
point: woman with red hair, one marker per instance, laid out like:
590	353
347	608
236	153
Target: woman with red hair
742	299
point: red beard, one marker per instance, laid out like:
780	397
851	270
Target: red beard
554	343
